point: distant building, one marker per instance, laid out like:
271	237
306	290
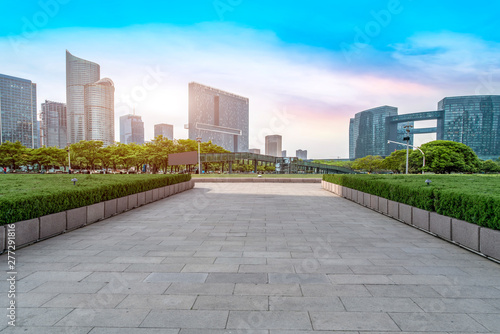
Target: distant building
89	102
283	153
301	154
273	146
99	109
219	116
165	130
131	129
254	150
471	120
18	111
53	124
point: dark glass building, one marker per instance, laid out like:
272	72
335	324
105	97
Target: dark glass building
165	130
18	116
474	121
131	129
53	126
218	116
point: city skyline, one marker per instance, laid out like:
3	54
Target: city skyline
307	72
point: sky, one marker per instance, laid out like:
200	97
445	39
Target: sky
307	67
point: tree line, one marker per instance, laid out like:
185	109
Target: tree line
441	157
92	155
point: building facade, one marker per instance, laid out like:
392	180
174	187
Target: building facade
99	111
165	130
274	146
53	128
18	116
254	150
301	154
131	129
473	121
79	72
219	116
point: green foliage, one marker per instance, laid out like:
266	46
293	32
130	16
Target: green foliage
370	163
490	167
473	198
396	162
25	197
346	164
444	157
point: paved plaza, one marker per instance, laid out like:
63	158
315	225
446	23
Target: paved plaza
260	258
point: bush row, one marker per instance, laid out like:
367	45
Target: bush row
466	203
36	204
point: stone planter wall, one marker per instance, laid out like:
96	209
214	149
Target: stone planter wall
37	229
462	233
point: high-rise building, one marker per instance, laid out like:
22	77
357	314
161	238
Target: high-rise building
254	150
283	154
473	121
301	154
79	72
131	129
218	116
53	124
273	146
99	106
165	130
18	116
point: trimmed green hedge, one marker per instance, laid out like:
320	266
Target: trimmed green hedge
473	198
25	197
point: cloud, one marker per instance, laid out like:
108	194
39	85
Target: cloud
151	66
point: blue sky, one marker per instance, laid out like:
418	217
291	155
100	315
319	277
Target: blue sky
307	67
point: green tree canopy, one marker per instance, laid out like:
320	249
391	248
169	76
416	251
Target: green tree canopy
396	162
370	163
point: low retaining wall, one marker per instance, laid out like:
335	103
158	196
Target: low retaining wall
38	229
471	236
256	179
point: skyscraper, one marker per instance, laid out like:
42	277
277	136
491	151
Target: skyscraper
273	146
99	107
254	150
473	121
301	154
218	116
165	130
131	129
18	116
53	128
79	72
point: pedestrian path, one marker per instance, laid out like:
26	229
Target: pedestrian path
260	258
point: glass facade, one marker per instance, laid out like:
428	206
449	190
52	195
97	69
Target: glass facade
53	127
131	129
473	121
218	116
367	132
273	146
18	113
99	114
165	130
301	154
79	72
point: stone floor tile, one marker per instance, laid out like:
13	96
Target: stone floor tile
104	318
186	319
281	303
240	303
167	302
379	304
352	321
449	322
268	320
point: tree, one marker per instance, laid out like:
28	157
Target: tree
396	162
87	152
369	163
444	156
490	167
12	154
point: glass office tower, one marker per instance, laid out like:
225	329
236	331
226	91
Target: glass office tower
131	129
53	128
274	145
165	130
18	116
473	121
79	72
99	111
218	116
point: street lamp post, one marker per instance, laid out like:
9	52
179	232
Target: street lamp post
407	139
418	148
199	159
69	160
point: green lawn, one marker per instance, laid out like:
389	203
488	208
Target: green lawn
294	176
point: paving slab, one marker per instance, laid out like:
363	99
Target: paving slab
261	258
